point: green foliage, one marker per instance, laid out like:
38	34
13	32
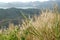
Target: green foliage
14	14
45	27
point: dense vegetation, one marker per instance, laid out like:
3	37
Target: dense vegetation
45	27
14	14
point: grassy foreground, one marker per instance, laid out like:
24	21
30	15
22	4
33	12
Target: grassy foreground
45	27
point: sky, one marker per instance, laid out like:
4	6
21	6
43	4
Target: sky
21	0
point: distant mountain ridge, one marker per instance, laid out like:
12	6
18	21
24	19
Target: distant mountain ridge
29	4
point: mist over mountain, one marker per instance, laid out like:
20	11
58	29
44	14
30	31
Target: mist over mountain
35	4
13	12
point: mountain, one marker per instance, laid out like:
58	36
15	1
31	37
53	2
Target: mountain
13	13
35	4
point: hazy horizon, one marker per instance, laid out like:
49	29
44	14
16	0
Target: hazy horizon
6	1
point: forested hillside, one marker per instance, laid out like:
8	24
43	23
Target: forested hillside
14	14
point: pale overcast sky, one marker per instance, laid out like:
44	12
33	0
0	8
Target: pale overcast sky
21	0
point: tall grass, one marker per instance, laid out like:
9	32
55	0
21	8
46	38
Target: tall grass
45	27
